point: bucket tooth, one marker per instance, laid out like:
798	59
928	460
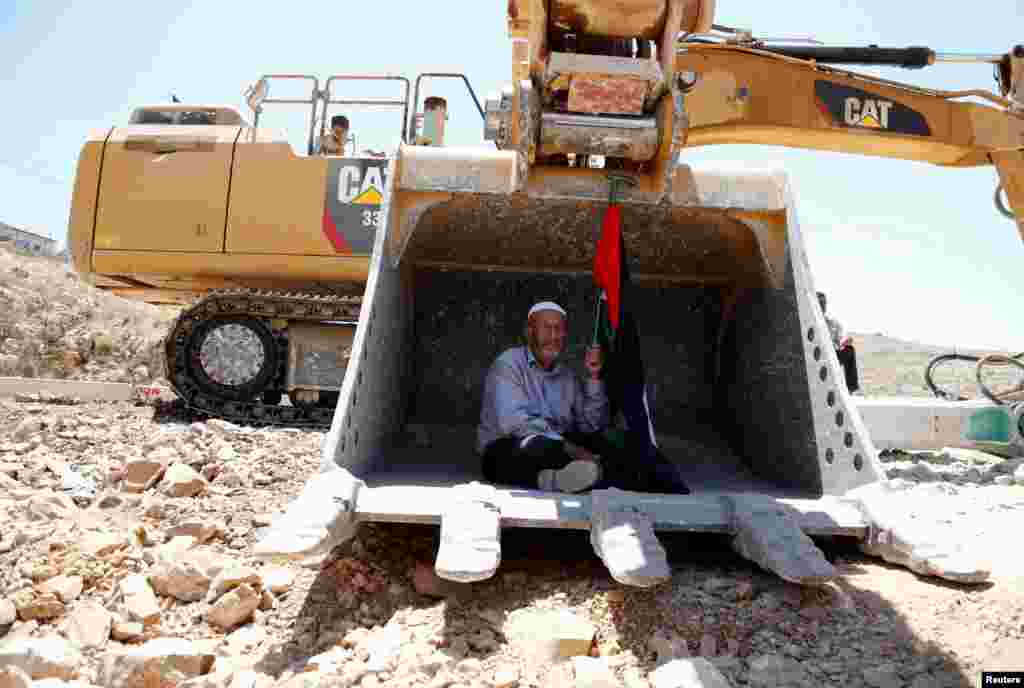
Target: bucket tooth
470	548
322	517
624	539
929	549
771	537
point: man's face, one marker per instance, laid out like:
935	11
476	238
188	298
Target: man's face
340	132
546	332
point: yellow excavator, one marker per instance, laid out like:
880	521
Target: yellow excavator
375	293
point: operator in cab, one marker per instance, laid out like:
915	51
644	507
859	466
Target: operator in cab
541	427
333	142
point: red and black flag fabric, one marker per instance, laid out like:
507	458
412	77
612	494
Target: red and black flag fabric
623	371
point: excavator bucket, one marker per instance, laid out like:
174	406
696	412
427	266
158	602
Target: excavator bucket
746	392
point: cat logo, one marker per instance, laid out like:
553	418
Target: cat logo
352	203
867	112
363	187
852	108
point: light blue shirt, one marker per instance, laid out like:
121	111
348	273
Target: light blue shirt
523	400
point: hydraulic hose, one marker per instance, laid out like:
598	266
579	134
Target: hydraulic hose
982	361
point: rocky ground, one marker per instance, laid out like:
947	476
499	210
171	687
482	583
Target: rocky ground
54	325
125	560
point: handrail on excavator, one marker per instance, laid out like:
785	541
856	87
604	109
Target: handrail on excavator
441	75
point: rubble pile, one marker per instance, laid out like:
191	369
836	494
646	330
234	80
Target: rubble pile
125	560
54	325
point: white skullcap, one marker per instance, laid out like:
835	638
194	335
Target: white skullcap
546	306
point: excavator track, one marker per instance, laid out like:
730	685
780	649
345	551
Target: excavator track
250	312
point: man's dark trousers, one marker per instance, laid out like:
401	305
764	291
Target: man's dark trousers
506	463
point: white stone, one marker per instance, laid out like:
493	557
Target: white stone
89	625
100	543
688	673
1018	475
278	580
139	602
66	588
127	631
181	480
593	672
8	612
202	531
550	634
231	577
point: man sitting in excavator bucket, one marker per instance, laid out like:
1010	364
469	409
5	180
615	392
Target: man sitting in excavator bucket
540	428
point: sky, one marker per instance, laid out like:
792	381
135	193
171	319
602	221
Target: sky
905	249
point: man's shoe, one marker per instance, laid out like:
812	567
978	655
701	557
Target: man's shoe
575	476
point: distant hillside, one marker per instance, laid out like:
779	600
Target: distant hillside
896	367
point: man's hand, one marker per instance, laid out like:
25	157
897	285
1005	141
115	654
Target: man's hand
845	342
594	361
578	453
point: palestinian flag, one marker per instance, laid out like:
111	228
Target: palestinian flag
623	371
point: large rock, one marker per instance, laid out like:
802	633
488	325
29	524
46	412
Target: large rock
234	607
89	625
185	579
142	474
139	601
548	634
775	671
688	673
161	662
51	657
181	480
